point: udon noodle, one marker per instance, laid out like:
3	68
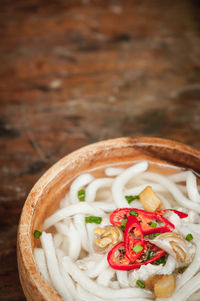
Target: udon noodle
71	263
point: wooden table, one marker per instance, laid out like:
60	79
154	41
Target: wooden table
76	72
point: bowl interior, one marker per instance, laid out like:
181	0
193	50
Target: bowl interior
45	196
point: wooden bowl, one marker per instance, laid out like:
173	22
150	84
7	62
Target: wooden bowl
45	196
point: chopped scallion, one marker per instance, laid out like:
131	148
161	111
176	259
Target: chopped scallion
189	237
37	234
81	195
156	234
153	225
137	248
140	283
132	212
161	260
122	226
131	198
93	219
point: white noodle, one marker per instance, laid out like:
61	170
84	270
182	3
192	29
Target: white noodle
89	261
195	297
193	227
57	238
74	242
91	190
86	296
107	207
79	183
41	264
122	278
62	228
79	222
105	276
113	171
180	198
52	263
90	233
165	202
66	277
114	284
138	189
122	179
135	204
65	201
83	208
98	290
193	268
191	184
182	189
178	177
169	267
98	268
65	245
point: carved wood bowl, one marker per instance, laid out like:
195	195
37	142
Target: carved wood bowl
44	197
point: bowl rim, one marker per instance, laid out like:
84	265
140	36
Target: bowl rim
24	248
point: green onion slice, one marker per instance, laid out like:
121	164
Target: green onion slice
132	212
137	248
37	234
122	226
140	283
153	225
81	195
156	234
189	237
93	219
131	198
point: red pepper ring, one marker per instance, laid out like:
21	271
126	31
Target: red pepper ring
133	239
118	260
145	219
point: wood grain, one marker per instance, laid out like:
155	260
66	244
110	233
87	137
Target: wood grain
76	72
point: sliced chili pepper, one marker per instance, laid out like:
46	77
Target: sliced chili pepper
133	228
179	213
133	239
119	215
118	259
145	219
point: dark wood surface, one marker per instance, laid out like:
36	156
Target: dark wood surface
76	72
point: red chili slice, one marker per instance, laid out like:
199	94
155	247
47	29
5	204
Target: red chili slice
118	259
133	239
145	219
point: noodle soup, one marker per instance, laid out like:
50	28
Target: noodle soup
90	249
